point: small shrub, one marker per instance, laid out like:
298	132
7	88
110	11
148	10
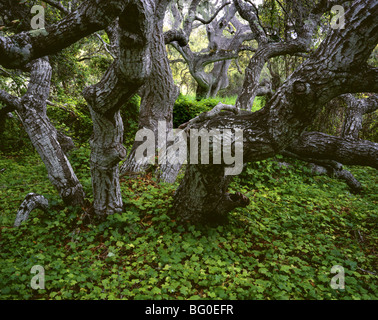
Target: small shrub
130	115
186	109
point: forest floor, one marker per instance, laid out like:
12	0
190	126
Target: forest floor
296	228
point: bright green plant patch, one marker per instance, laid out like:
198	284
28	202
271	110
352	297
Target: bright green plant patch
282	246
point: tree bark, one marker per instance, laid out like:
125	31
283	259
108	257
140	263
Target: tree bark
91	16
252	87
220	78
43	135
331	168
319	148
158	96
357	108
121	81
50	144
267	49
349	152
32	201
202	196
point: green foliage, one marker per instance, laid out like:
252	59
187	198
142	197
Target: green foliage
19	176
282	246
130	115
13	138
73	118
187	107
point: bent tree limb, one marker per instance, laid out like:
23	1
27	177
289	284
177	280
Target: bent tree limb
267	50
221	49
354	185
32	201
331	168
43	135
334	69
349	152
91	16
347	149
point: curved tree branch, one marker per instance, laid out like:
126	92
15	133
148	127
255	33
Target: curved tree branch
213	16
31	202
58	5
176	35
349	152
11	102
91	16
331	168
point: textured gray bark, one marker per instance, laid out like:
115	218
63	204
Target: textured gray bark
11	102
31	202
158	96
202	196
121	81
44	137
66	143
349	152
331	168
317	147
357	108
91	16
335	68
252	87
354	185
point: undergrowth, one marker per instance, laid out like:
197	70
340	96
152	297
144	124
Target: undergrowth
282	246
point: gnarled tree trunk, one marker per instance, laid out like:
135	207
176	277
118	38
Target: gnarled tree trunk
121	81
357	108
158	95
202	196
